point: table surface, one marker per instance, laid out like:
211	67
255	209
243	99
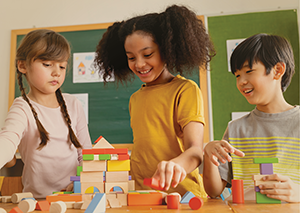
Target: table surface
210	206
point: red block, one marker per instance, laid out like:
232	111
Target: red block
43	205
237	191
196	203
123	157
153	183
16	210
104	151
173	201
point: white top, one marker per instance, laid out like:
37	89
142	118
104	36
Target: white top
50	168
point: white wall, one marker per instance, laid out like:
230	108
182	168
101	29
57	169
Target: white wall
20	14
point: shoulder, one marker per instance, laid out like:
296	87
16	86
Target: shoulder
70	99
19	102
185	82
242	121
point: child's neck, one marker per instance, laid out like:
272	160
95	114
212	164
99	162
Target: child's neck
277	106
45	100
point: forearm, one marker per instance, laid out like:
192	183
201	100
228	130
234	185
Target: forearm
212	181
190	159
11	163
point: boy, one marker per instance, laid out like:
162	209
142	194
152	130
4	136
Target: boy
263	66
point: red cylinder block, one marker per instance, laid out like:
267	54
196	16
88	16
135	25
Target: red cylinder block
237	191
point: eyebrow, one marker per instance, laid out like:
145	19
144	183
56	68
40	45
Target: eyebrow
142	49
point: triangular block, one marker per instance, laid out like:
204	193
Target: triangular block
98	204
16	210
101	143
43	205
186	197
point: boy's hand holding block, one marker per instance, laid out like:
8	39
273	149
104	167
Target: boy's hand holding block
153	183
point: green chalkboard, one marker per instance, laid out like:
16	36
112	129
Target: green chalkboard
108	105
225	96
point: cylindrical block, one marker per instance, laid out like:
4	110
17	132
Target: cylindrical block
27	205
173	201
173	193
196	203
2	210
17	197
237	191
58	207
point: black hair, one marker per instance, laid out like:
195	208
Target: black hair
268	49
181	37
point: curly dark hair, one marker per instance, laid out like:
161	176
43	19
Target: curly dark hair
181	37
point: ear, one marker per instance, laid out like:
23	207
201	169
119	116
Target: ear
22	66
279	70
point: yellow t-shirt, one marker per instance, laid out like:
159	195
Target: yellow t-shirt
158	116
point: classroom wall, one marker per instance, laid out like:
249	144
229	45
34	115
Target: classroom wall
18	14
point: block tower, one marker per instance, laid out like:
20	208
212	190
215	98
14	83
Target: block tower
266	168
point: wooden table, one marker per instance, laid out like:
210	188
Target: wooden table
210	206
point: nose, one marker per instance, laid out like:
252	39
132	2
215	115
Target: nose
56	71
140	63
242	81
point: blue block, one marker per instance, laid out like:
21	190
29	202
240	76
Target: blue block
186	197
77	187
98	204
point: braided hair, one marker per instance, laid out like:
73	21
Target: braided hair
44	45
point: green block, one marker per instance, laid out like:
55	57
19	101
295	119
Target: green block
265	160
88	157
144	192
68	192
261	198
79	169
104	157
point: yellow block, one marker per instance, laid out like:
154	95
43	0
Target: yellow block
1	182
118	165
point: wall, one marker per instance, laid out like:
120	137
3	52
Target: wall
20	14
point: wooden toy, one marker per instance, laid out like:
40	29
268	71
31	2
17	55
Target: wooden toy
122	185
58	207
116	165
17	197
85	185
148	199
172	201
77	205
98	204
102	143
173	193
186	197
43	205
114	203
153	183
85	204
94	176
131	185
70	204
64	197
27	205
237	191
2	210
6	199
122	197
16	210
196	203
93	166
119	176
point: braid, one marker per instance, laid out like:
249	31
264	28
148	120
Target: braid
65	113
44	135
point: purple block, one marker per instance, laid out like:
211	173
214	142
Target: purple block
257	189
75	178
266	168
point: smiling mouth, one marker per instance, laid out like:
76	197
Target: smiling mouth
145	72
248	91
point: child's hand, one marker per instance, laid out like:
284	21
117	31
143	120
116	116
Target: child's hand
69	188
169	172
286	190
218	150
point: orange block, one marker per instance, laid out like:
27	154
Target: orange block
151	199
173	201
153	183
43	205
196	203
64	197
16	210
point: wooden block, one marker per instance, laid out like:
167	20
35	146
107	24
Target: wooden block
173	193
262	198
266	168
119	176
70	204
131	185
265	160
123	157
122	185
16	210
91	176
258	177
258	182
153	183
187	197
6	199
196	203
151	199
85	204
86	185
11	185
27	205
79	169
114	157
172	201
104	157
2	210
93	166
122	198
102	143
95	151
88	157
116	165
17	197
1	182
64	198
58	207
77	205
98	204
43	205
114	203
87	197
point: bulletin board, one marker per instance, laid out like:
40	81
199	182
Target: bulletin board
225	96
108	105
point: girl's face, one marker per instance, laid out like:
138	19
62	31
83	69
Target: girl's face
144	59
44	77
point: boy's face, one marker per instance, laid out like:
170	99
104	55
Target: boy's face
255	85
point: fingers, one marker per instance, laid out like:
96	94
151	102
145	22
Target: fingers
276	177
